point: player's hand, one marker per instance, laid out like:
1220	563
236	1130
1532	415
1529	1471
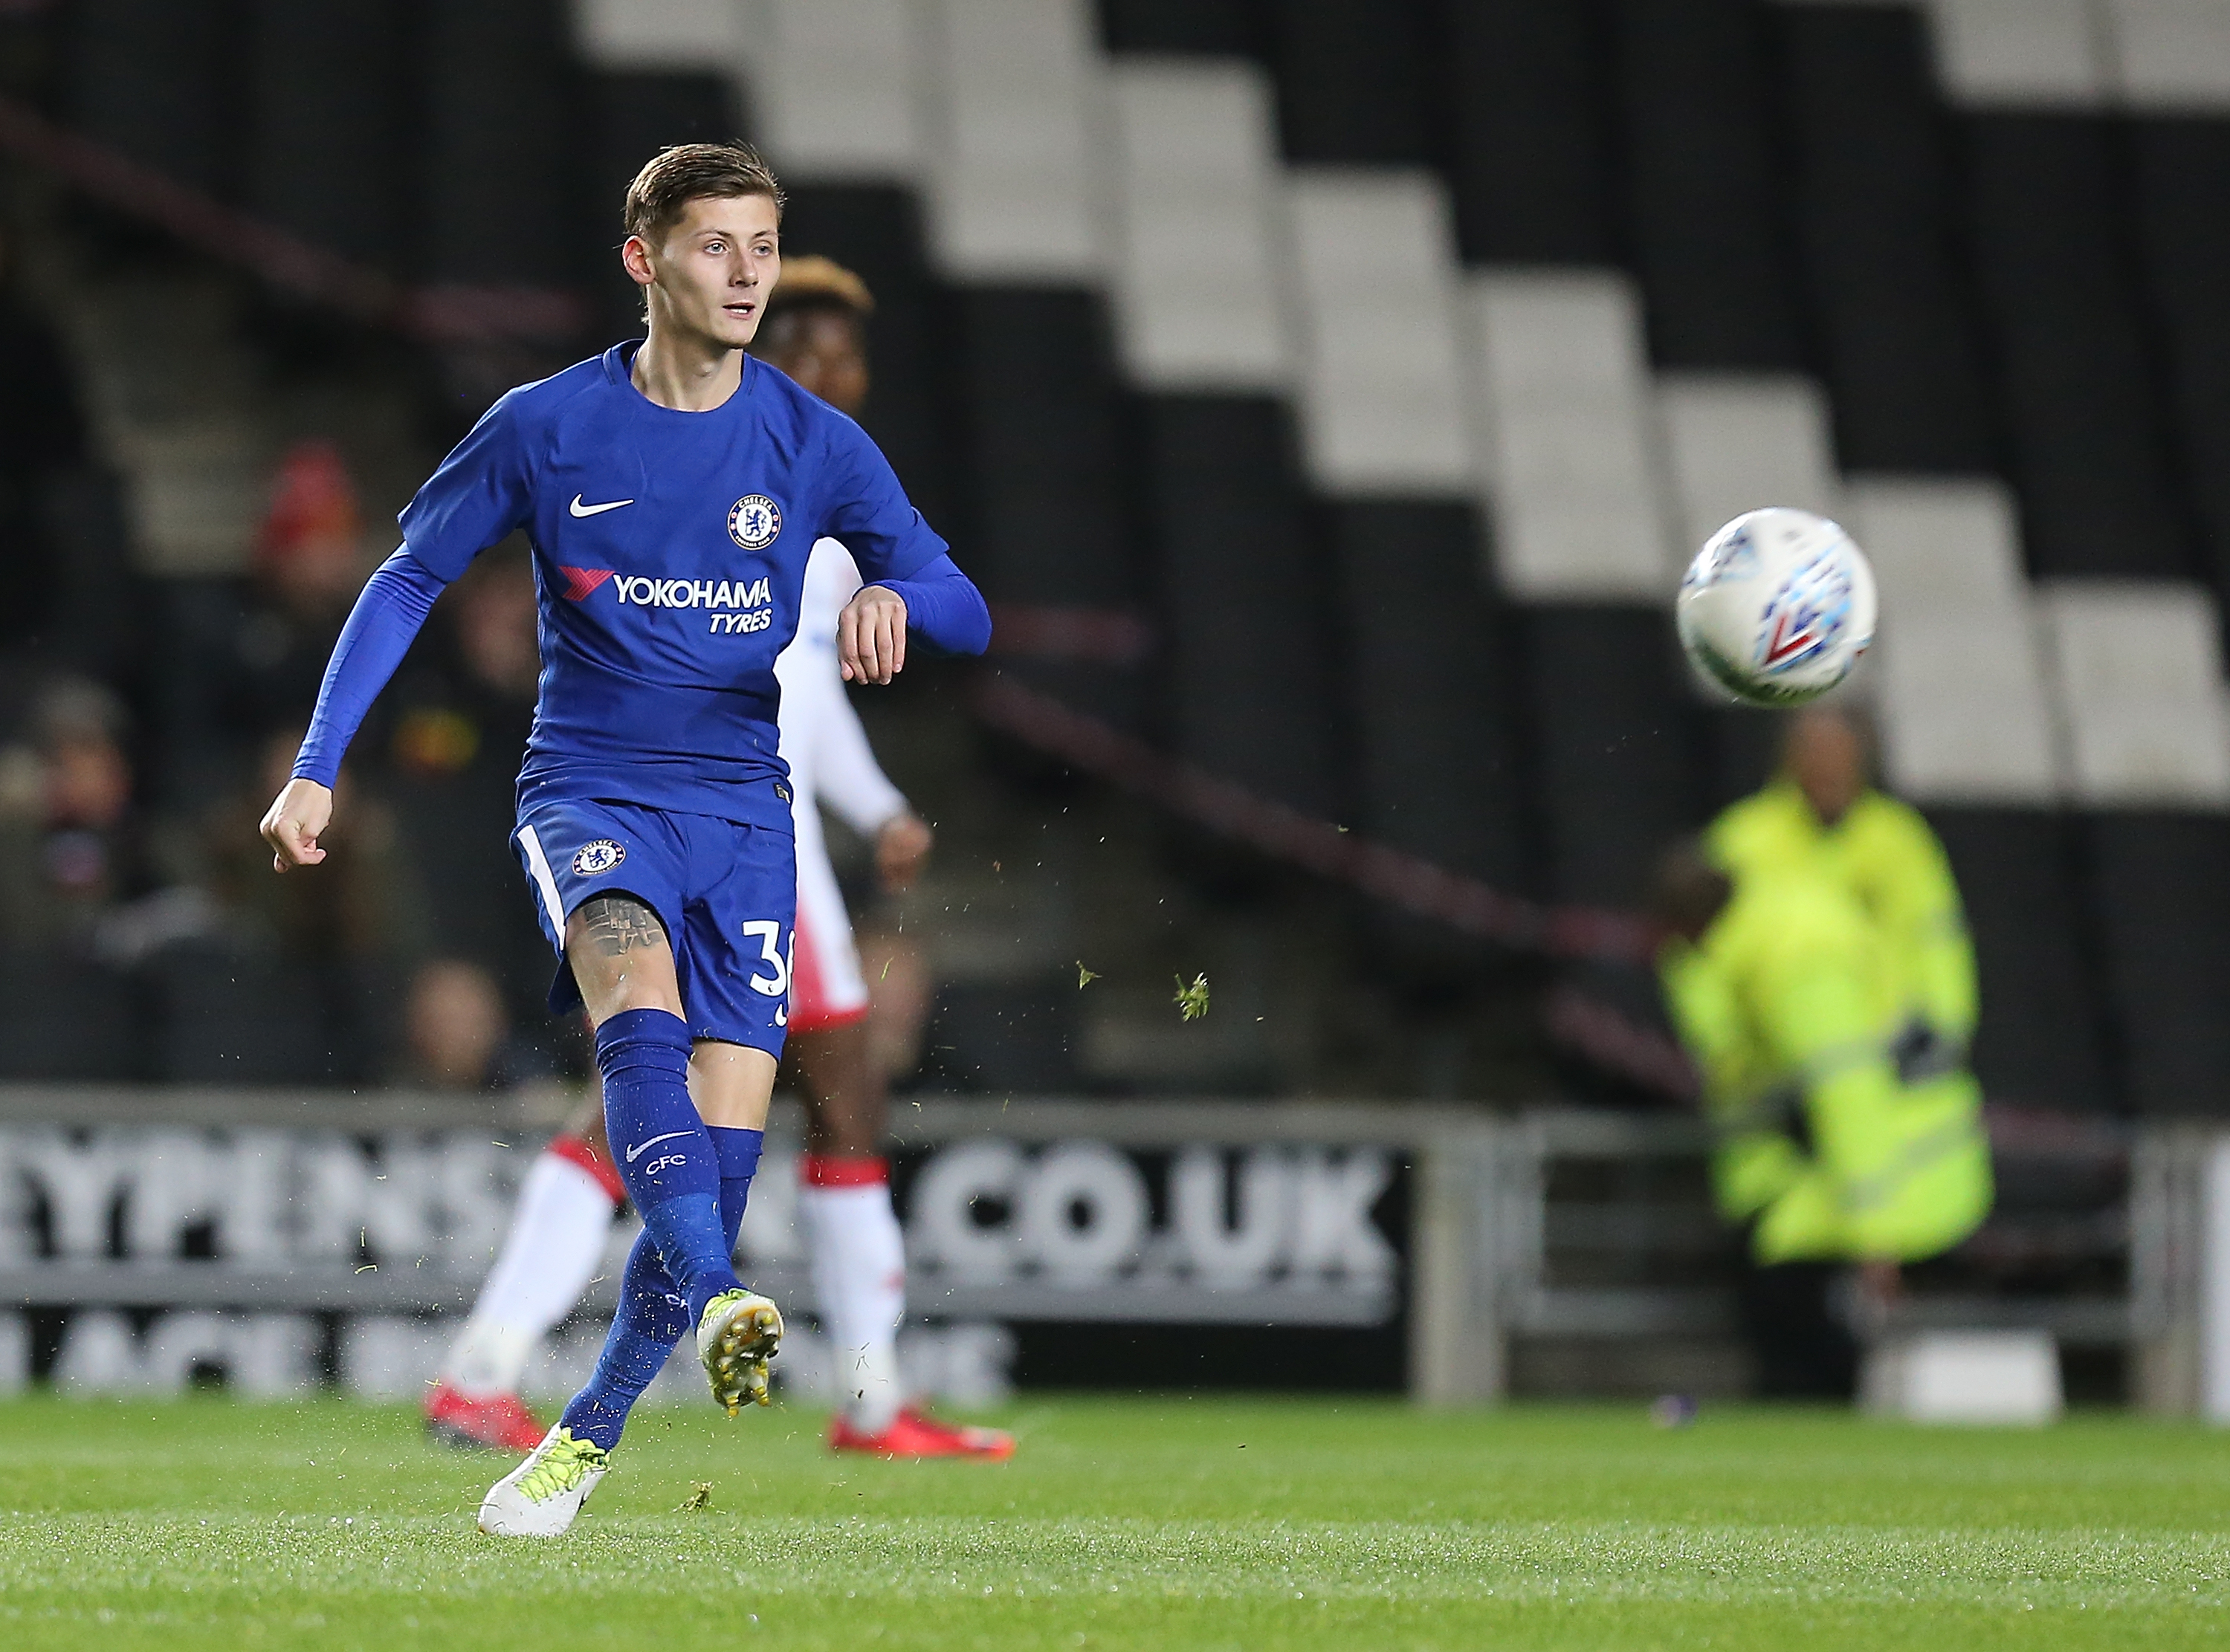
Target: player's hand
871	636
901	848
297	816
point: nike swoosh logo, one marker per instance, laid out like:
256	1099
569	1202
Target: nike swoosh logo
581	510
636	1153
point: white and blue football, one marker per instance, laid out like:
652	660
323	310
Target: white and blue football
1777	606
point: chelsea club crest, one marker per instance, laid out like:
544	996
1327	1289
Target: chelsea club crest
754	521
599	858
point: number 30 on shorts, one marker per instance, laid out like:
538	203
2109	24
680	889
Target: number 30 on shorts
768	933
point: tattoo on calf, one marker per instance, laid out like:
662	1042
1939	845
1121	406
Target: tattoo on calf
617	924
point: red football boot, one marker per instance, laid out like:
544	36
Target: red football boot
501	1422
912	1434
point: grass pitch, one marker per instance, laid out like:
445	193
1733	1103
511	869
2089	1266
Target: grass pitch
1161	1524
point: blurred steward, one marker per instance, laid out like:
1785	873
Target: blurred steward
463	707
1822	811
1793	1006
249	655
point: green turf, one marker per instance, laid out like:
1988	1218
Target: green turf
1161	1524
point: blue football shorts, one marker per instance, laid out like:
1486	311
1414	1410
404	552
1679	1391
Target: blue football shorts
726	893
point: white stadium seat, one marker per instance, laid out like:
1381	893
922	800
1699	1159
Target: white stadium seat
2170	56
1561	386
1196	251
1016	127
837	86
1373	270
1739	442
703	34
1957	677
2138	670
1937	543
2031	53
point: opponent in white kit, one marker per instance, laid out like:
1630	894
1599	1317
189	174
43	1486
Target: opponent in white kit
813	330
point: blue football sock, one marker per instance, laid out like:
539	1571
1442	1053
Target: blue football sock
652	1317
665	1153
738	1153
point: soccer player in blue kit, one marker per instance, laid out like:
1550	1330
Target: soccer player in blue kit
672	489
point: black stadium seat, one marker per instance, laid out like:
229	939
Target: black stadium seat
223	1013
1428	688
1525	90
2161	902
1876	226
1706	219
327	114
498	123
2183	177
1039	426
2040	1041
875	231
2075	384
148	77
1351	83
1616	756
67	1018
1249	692
1222	28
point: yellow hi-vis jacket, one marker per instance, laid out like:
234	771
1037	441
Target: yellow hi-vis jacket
1886	855
1792	1011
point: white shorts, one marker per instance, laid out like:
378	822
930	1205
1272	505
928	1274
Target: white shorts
826	987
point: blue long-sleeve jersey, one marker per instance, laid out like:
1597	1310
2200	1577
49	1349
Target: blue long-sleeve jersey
669	558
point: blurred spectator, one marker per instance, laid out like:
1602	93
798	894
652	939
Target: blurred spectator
453	1025
360	907
336	946
249	656
457	1033
72	851
462	711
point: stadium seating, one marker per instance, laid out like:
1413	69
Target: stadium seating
1704	222
146	78
2181	170
492	108
1361	324
1523	87
2076	391
326	154
1960	682
1249	694
1873	218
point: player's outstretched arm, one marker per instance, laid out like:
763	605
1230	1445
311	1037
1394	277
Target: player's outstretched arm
394	605
297	819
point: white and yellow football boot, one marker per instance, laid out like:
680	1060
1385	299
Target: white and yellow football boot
540	1497
736	1335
